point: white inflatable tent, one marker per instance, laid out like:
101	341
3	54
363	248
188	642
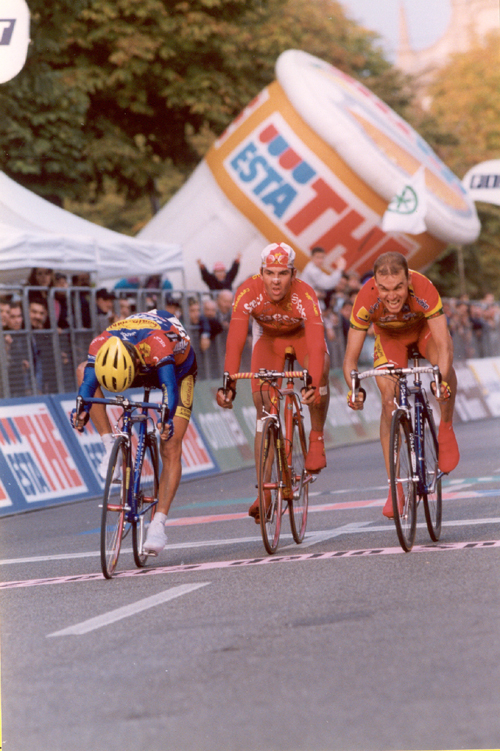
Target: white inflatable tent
35	232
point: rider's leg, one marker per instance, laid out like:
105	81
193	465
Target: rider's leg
316	458
449	453
171	470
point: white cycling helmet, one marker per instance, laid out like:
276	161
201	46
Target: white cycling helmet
278	254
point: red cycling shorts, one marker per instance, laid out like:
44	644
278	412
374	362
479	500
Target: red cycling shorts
269	352
392	348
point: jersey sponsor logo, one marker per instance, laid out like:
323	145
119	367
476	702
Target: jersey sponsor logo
363	314
243	292
250	306
423	303
134	323
298	304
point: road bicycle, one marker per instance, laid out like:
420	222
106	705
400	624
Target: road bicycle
282	480
131	487
413	449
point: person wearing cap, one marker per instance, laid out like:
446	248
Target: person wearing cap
284	312
220	278
146	349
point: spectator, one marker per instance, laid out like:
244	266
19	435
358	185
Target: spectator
199	328
320	279
173	305
17	351
130	282
220	278
105	308
210	313
40	344
61	300
215	353
224	307
5	310
126	308
81	300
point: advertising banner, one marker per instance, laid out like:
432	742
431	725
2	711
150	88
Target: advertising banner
313	160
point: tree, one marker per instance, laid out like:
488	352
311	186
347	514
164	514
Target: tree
465	103
128	88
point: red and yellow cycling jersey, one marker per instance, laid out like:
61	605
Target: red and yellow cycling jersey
297	316
158	336
423	302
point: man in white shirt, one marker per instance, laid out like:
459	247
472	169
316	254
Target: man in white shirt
322	281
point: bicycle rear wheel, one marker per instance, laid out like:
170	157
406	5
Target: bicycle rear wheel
114	507
432	496
270	486
147	498
402	482
297	508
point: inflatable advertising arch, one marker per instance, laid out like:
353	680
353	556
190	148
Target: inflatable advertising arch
313	160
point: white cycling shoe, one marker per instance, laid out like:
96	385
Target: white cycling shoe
156	539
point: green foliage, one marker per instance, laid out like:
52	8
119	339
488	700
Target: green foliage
119	92
465	109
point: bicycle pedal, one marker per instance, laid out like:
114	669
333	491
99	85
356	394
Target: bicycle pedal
150	553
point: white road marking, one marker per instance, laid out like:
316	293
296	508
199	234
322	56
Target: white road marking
328	534
127	610
311	538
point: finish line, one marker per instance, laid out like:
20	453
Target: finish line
299	557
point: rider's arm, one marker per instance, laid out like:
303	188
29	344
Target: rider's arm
170	391
355	341
444	344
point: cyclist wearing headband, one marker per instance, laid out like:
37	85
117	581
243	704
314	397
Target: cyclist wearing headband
285	313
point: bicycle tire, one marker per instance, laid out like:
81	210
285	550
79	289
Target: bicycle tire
148	492
270	486
297	508
402	479
114	507
433	502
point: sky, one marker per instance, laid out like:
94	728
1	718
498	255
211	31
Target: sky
427	20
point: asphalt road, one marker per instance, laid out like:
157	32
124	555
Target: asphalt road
344	642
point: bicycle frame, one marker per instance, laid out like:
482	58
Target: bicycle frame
128	421
291	398
419	410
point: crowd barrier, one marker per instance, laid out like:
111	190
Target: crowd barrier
44	462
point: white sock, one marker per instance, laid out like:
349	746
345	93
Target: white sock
160	517
108	439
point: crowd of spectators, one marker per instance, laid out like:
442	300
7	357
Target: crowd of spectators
49	322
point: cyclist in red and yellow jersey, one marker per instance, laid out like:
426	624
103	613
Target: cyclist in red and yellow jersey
285	313
405	309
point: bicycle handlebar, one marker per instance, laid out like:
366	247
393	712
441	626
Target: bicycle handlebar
119	401
268	375
357	377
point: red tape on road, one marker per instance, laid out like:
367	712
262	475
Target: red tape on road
184	568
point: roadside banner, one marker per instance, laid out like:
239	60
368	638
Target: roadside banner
14	37
482	182
44	462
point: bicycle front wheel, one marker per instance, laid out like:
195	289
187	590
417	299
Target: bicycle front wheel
432	496
114	507
147	498
404	502
297	508
270	486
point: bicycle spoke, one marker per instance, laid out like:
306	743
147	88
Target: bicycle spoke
270	491
114	508
432	496
402	483
300	485
146	498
